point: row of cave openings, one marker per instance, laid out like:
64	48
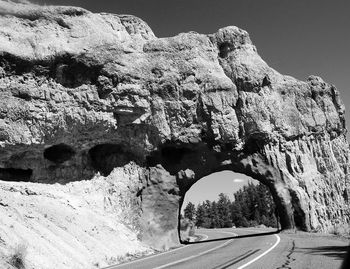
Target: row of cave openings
101	158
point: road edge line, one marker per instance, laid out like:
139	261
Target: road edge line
151	256
144	258
205	237
197	255
262	254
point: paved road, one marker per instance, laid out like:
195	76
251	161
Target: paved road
271	251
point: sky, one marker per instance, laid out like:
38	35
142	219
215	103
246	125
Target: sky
295	37
209	187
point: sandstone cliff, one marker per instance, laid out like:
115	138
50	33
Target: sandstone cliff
83	93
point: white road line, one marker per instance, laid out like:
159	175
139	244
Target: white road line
145	258
152	256
261	255
205	237
197	255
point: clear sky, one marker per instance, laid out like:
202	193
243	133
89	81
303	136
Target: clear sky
295	37
209	188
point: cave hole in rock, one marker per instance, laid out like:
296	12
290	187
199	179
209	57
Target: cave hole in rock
15	174
59	153
227	200
73	72
172	157
224	49
105	157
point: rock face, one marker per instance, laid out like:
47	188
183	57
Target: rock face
83	93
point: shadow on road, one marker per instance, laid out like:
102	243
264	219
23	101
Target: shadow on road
236	259
330	251
232	237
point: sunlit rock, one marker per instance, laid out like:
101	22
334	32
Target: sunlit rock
82	93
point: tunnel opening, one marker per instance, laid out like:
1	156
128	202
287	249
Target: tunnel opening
59	153
105	157
16	174
227	200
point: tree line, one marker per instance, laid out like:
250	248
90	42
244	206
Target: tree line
252	205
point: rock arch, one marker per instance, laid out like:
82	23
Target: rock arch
183	107
190	163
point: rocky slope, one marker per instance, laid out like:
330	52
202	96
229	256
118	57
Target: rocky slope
83	93
83	224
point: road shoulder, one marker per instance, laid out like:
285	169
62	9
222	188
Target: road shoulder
308	250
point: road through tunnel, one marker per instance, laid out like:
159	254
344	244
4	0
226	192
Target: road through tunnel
190	163
227	200
249	203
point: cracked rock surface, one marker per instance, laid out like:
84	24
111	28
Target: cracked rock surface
82	93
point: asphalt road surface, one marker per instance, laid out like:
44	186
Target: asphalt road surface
249	248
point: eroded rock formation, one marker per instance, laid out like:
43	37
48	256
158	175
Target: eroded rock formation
82	93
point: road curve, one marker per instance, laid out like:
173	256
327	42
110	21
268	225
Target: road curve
211	253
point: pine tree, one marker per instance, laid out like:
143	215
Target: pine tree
200	215
253	205
224	211
190	211
214	217
207	217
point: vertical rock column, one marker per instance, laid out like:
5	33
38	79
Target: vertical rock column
160	209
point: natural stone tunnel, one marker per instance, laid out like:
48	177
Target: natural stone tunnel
180	108
190	163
